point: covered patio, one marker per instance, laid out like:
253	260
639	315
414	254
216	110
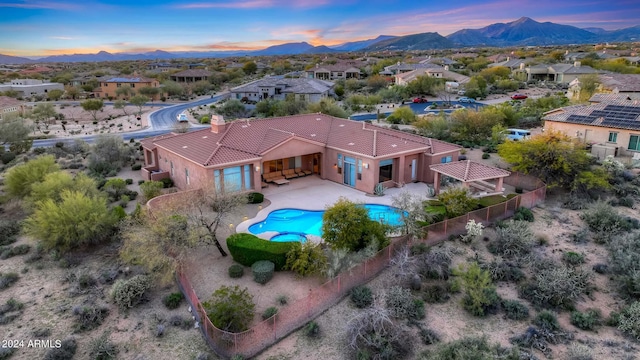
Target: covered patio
481	179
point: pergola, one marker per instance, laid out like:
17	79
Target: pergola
486	179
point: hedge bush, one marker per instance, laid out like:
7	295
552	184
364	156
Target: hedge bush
523	214
262	271
255	198
173	300
136	167
236	271
247	249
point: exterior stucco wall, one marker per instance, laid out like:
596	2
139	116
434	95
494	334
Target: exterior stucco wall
427	174
198	175
594	134
292	148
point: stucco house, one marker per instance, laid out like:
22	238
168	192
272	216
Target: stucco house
109	86
334	71
612	125
437	72
245	154
559	73
9	105
311	90
30	87
191	75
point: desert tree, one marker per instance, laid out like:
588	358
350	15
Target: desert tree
457	201
92	106
55	94
158	241
149	91
53	184
19	179
124	91
15	132
346	225
209	207
411	210
139	101
43	113
108	152
73	221
121	105
72	92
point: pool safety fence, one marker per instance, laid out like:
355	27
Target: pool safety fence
299	312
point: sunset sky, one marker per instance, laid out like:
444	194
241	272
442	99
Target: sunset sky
49	27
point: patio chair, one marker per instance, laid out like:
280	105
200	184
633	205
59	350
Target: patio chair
302	172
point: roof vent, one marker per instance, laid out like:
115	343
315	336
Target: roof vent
341	125
350	144
184	147
394	145
318	119
244	126
204	137
313	135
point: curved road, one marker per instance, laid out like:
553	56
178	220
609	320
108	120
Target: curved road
161	121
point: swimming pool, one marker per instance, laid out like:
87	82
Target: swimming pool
293	224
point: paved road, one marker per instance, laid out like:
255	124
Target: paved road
160	122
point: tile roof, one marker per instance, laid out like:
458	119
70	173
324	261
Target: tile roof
621	82
193	73
617	114
601	97
245	140
137	79
288	85
412	75
468	170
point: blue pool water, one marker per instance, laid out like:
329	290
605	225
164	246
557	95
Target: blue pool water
293	224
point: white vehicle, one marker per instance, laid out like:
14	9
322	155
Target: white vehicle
461	92
182	117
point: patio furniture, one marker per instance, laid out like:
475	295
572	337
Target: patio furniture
270	177
281	181
289	174
302	172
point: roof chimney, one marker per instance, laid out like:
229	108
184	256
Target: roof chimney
522	65
577	64
217	124
446	68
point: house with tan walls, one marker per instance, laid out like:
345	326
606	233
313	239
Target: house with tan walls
249	154
612	125
109	86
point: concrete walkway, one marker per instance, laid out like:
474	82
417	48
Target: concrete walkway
313	193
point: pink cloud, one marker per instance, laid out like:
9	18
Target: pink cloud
253	4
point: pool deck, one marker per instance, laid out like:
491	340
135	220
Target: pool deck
313	193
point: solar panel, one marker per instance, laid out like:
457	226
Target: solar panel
580	119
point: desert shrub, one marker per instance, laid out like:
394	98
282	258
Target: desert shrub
503	271
101	348
128	293
312	329
573	258
8	279
624	252
401	304
523	214
86	280
579	352
66	350
419	249
547	320
601	268
471	348
10	311
236	271
306	258
361	296
262	271
457	201
255	198
626	202
136	167
128	181
513	240
89	317
173	300
7	157
428	336
480	297
629	320
247	249
515	310
435	264
7	252
185	323
587	320
166	183
151	189
371	332
438	293
9	231
230	308
282	300
486	156
269	312
604	221
556	285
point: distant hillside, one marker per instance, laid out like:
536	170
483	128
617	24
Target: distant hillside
8	59
523	31
285	49
107	56
320	50
424	41
628	34
359	45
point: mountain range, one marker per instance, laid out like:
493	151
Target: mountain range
522	32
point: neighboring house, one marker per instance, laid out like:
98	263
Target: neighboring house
190	76
442	61
109	86
9	105
311	90
614	124
162	67
559	73
511	63
242	154
334	72
624	84
29	87
437	72
400	68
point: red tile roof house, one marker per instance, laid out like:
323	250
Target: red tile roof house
245	154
